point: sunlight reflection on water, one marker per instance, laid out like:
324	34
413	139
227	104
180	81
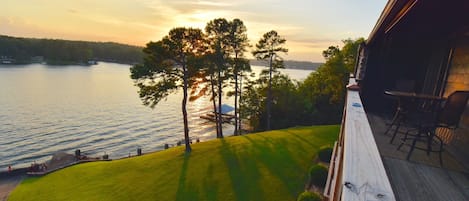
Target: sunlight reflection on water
95	109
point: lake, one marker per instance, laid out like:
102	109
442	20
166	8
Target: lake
45	109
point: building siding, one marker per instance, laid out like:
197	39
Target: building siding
458	79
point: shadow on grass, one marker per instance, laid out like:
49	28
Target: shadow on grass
243	173
210	186
302	139
323	138
279	161
184	191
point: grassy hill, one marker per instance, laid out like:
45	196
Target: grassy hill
263	166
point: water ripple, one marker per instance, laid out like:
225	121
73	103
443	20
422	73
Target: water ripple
63	109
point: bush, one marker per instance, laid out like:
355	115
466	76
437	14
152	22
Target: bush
308	196
325	154
318	175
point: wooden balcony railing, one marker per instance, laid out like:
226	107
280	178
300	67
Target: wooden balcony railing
356	171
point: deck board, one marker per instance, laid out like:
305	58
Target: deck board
418	182
377	123
421	178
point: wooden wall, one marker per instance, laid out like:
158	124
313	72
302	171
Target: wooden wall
458	79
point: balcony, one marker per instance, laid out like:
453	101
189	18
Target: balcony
365	166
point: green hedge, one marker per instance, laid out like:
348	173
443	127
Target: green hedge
325	154
318	175
308	196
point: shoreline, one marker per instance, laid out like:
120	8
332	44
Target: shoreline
9	181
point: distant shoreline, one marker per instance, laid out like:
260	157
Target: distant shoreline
291	64
65	63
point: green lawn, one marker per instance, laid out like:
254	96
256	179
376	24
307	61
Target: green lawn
263	166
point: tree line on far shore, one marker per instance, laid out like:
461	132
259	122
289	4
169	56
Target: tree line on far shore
65	52
205	63
290	64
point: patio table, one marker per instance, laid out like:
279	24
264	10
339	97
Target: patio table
409	102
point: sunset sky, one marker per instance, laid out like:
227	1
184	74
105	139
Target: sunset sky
309	26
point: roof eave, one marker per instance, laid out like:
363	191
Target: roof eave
385	14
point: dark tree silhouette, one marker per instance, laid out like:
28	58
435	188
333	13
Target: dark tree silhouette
238	42
268	48
167	63
217	32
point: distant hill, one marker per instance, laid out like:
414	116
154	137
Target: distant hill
303	65
16	50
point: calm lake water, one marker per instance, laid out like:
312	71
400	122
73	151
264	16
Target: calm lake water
45	109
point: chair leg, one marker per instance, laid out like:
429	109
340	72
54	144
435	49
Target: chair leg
395	132
389	128
393	121
414	142
400	145
440	151
403	139
429	142
441	156
406	135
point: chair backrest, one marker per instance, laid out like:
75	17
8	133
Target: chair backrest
452	110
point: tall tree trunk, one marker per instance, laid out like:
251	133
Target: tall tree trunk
184	111
220	120
212	83
240	96
235	71
269	94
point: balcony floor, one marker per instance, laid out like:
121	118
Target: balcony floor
421	177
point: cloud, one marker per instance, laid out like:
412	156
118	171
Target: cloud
187	7
314	42
309	26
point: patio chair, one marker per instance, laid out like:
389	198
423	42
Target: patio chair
447	117
402	109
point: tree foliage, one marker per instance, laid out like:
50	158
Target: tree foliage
238	41
188	59
268	48
227	43
319	99
286	102
324	89
170	64
67	52
217	32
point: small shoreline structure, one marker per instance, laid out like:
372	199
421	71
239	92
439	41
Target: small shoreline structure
225	110
62	160
10	178
226	118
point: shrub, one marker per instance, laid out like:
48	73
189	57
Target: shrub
325	154
308	196
318	175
